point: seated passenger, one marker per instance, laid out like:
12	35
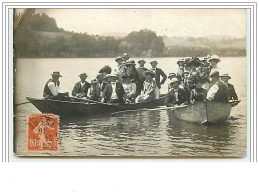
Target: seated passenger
95	91
80	89
176	96
231	89
114	92
218	91
198	94
51	89
129	87
149	87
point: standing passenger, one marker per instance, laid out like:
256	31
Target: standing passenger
158	73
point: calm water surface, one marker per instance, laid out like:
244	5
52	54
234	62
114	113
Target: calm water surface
142	133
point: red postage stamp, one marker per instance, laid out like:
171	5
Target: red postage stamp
43	132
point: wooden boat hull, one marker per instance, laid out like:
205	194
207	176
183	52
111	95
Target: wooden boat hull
71	108
203	112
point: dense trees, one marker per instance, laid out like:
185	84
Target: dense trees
37	35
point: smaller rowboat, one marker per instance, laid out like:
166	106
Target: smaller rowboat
206	112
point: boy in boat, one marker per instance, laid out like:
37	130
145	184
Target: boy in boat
231	89
114	92
158	74
51	89
149	87
218	91
198	94
176	96
80	89
129	87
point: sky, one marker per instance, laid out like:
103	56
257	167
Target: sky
168	22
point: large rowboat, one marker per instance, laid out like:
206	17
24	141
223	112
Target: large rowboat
206	112
74	106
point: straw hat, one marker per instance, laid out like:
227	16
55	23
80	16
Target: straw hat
214	73
125	55
112	75
171	75
118	58
225	75
173	80
142	60
153	62
148	72
214	57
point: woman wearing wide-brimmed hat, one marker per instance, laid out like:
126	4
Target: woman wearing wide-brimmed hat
149	87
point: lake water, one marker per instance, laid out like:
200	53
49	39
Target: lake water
142	133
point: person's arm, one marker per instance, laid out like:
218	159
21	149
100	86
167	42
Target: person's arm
164	77
53	88
133	91
212	91
74	90
168	99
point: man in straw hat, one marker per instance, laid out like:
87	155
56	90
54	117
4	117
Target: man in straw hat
149	87
214	60
114	92
231	89
51	89
218	91
176	96
158	74
80	89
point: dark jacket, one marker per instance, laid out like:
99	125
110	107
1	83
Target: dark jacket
107	93
159	73
79	89
222	94
171	100
231	92
140	70
46	91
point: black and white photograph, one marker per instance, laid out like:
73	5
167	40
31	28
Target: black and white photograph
130	82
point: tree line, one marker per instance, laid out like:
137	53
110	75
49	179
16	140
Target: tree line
37	35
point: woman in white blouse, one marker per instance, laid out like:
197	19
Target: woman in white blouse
129	87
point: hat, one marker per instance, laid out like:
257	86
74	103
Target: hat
125	55
112	75
141	61
194	62
180	60
225	75
173	80
214	73
56	74
154	61
148	72
130	62
83	74
118	58
94	81
171	75
185	72
214	57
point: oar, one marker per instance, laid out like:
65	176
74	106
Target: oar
146	109
22	103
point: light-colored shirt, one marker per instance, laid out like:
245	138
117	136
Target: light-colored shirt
82	84
114	94
53	88
212	91
130	89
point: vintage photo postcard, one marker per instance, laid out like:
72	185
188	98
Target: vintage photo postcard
130	82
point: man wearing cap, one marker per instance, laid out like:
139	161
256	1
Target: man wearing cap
80	89
218	91
125	57
158	73
51	89
114	92
176	96
231	89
